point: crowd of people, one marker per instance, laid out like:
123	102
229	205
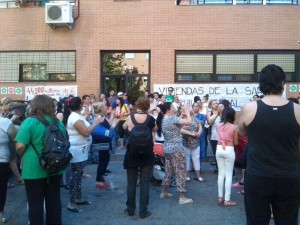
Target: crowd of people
270	154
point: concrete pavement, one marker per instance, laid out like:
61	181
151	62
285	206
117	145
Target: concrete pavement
108	204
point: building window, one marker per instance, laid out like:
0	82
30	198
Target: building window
33	72
119	63
37	66
233	66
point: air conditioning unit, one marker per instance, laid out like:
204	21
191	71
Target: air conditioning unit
59	12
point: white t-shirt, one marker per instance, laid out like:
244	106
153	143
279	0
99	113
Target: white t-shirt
80	145
4	140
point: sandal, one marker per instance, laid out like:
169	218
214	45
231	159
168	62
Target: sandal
165	195
229	203
221	200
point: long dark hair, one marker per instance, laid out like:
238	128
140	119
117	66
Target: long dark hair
228	115
42	105
71	104
121	102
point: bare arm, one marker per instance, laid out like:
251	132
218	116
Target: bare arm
12	132
236	136
297	115
60	116
187	120
125	125
186	132
20	148
246	116
212	118
200	129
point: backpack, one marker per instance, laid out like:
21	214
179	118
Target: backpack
56	155
140	138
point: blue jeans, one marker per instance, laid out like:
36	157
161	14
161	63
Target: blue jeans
132	175
203	144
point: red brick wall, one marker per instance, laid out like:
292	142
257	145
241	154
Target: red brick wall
154	25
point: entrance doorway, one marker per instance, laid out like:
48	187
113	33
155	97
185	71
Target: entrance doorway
134	86
125	71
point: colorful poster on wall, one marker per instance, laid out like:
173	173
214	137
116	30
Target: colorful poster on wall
11	90
56	92
18	90
237	94
293	88
3	90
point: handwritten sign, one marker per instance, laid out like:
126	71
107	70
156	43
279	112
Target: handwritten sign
236	94
56	92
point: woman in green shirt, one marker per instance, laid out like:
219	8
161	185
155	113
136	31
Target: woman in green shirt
40	187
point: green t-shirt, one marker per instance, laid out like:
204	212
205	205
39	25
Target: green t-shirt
169	98
33	130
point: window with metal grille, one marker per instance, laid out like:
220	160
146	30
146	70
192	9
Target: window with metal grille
233	66
37	66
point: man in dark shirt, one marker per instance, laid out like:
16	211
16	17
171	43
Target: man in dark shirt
273	173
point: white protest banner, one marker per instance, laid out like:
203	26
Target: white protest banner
52	91
236	94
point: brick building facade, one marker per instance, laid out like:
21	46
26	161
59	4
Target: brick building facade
154	27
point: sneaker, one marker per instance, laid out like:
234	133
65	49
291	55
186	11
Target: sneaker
85	175
102	185
200	179
184	200
188	179
4	220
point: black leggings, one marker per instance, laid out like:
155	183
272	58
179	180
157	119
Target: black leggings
104	158
121	130
44	190
4	168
